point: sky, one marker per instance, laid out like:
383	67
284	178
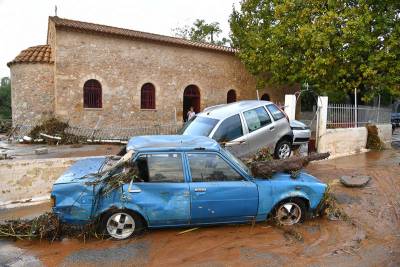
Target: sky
23	23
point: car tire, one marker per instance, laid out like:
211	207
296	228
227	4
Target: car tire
290	212
283	150
121	224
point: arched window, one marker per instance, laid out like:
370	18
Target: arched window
265	97
148	96
231	96
92	94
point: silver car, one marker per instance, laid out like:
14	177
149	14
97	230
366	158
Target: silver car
301	132
244	127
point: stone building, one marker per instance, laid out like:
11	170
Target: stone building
90	74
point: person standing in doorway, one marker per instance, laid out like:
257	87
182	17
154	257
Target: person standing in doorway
190	114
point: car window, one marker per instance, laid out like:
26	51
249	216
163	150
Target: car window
256	118
276	113
160	168
211	168
199	126
229	129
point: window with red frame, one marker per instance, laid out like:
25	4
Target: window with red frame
148	96
92	94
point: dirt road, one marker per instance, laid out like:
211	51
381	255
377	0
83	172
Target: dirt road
370	238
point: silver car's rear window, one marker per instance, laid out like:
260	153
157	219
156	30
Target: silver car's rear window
200	126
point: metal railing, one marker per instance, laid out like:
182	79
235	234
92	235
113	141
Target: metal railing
122	133
349	116
106	133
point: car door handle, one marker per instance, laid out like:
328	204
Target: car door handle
272	128
200	190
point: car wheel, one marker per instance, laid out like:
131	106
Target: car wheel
121	224
283	149
290	212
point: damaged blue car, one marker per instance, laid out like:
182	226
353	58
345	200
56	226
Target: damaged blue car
180	181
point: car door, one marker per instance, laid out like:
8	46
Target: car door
282	126
218	192
160	189
262	132
229	133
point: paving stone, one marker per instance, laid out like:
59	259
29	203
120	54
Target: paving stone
355	181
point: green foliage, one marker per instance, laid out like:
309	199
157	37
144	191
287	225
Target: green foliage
5	99
201	31
333	45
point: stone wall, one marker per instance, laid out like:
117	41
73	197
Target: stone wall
122	66
32	91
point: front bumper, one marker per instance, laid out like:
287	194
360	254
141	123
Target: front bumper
301	136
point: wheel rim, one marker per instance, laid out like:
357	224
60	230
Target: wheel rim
284	151
289	214
120	225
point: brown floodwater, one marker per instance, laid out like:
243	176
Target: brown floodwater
370	238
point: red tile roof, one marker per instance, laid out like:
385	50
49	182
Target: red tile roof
34	54
91	27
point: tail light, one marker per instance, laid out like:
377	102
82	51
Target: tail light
283	111
53	200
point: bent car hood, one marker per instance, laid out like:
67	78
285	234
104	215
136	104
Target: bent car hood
81	168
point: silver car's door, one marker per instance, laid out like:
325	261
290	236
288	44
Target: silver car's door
261	129
282	126
229	133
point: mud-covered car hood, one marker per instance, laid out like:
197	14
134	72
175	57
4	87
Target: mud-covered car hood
81	168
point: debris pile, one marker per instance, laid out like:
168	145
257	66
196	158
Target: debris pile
44	227
330	208
291	165
373	140
53	131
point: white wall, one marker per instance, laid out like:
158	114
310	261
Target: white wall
343	141
385	134
346	141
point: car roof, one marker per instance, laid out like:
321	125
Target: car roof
221	112
171	142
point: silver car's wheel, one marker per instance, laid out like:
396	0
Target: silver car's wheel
284	150
289	213
120	225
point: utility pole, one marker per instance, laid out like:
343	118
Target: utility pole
355	108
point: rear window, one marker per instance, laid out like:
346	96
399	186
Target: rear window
230	129
199	126
276	113
256	118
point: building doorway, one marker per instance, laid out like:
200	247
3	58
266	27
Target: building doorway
191	98
231	96
265	97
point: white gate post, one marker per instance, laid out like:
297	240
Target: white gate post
290	106
322	119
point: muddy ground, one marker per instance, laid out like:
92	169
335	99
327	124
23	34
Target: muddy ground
370	238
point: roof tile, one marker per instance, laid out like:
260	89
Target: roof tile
91	27
34	54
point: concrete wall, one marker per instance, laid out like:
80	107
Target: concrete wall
32	91
29	179
385	134
343	141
